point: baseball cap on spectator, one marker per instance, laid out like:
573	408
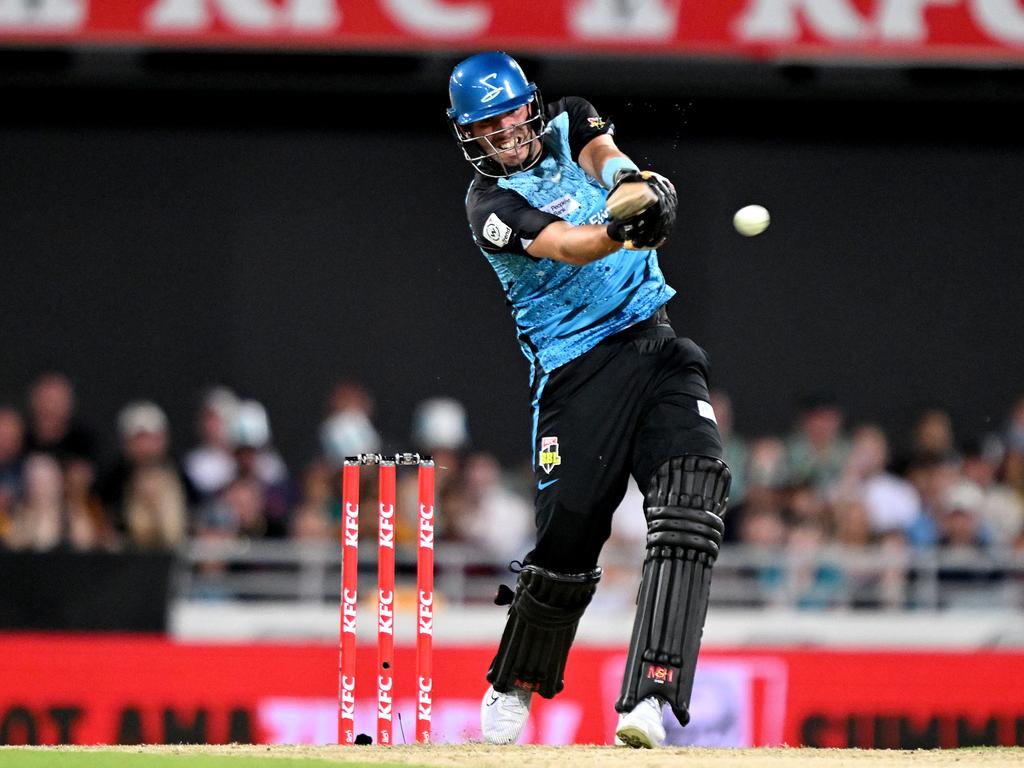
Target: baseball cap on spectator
250	427
348	433
440	423
221	401
141	416
964	496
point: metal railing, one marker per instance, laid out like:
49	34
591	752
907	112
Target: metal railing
745	577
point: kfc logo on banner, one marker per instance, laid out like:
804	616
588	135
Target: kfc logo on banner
244	15
961	31
888	21
625	19
433	18
43	15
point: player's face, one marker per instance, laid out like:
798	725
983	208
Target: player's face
507	134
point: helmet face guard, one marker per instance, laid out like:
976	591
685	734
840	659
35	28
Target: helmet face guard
484	86
484	152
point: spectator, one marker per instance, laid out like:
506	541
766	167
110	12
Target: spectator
816	452
1002	510
348	430
52	426
12	455
351	397
932	476
762	529
872	585
82	500
146	493
239	511
813	580
891	502
41	520
961	523
313	519
236	513
1013	461
210	466
806	505
852	524
767	470
735	446
258	460
496	521
933	434
439	430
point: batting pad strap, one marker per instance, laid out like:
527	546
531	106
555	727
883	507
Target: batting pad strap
541	627
685	527
612	167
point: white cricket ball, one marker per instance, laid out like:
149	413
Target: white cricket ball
751	220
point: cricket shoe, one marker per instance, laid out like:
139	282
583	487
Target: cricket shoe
641	727
503	715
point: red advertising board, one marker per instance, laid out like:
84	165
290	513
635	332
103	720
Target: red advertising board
108	689
888	29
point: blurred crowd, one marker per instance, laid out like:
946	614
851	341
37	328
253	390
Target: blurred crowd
826	483
58	490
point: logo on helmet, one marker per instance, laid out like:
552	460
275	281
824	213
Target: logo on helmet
493	90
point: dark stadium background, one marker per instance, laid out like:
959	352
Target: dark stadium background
278	221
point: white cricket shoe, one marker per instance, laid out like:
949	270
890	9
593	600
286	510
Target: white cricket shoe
642	727
503	715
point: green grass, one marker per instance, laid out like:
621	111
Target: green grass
52	759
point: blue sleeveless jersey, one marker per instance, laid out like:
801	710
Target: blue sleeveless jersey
561	311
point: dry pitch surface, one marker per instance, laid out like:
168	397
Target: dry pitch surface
482	756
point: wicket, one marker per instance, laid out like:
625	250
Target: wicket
387	481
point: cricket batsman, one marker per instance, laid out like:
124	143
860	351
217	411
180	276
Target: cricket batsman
570	225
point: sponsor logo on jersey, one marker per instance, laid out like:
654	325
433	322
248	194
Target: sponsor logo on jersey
497	231
549	457
597	123
493	90
562	207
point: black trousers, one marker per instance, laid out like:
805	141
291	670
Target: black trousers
625	407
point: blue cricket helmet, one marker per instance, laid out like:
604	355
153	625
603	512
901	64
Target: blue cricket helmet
485	85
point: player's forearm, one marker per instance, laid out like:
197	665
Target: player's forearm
602	159
582	244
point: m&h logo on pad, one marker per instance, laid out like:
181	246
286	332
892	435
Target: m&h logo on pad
549	458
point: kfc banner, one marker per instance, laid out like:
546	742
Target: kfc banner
950	30
104	689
